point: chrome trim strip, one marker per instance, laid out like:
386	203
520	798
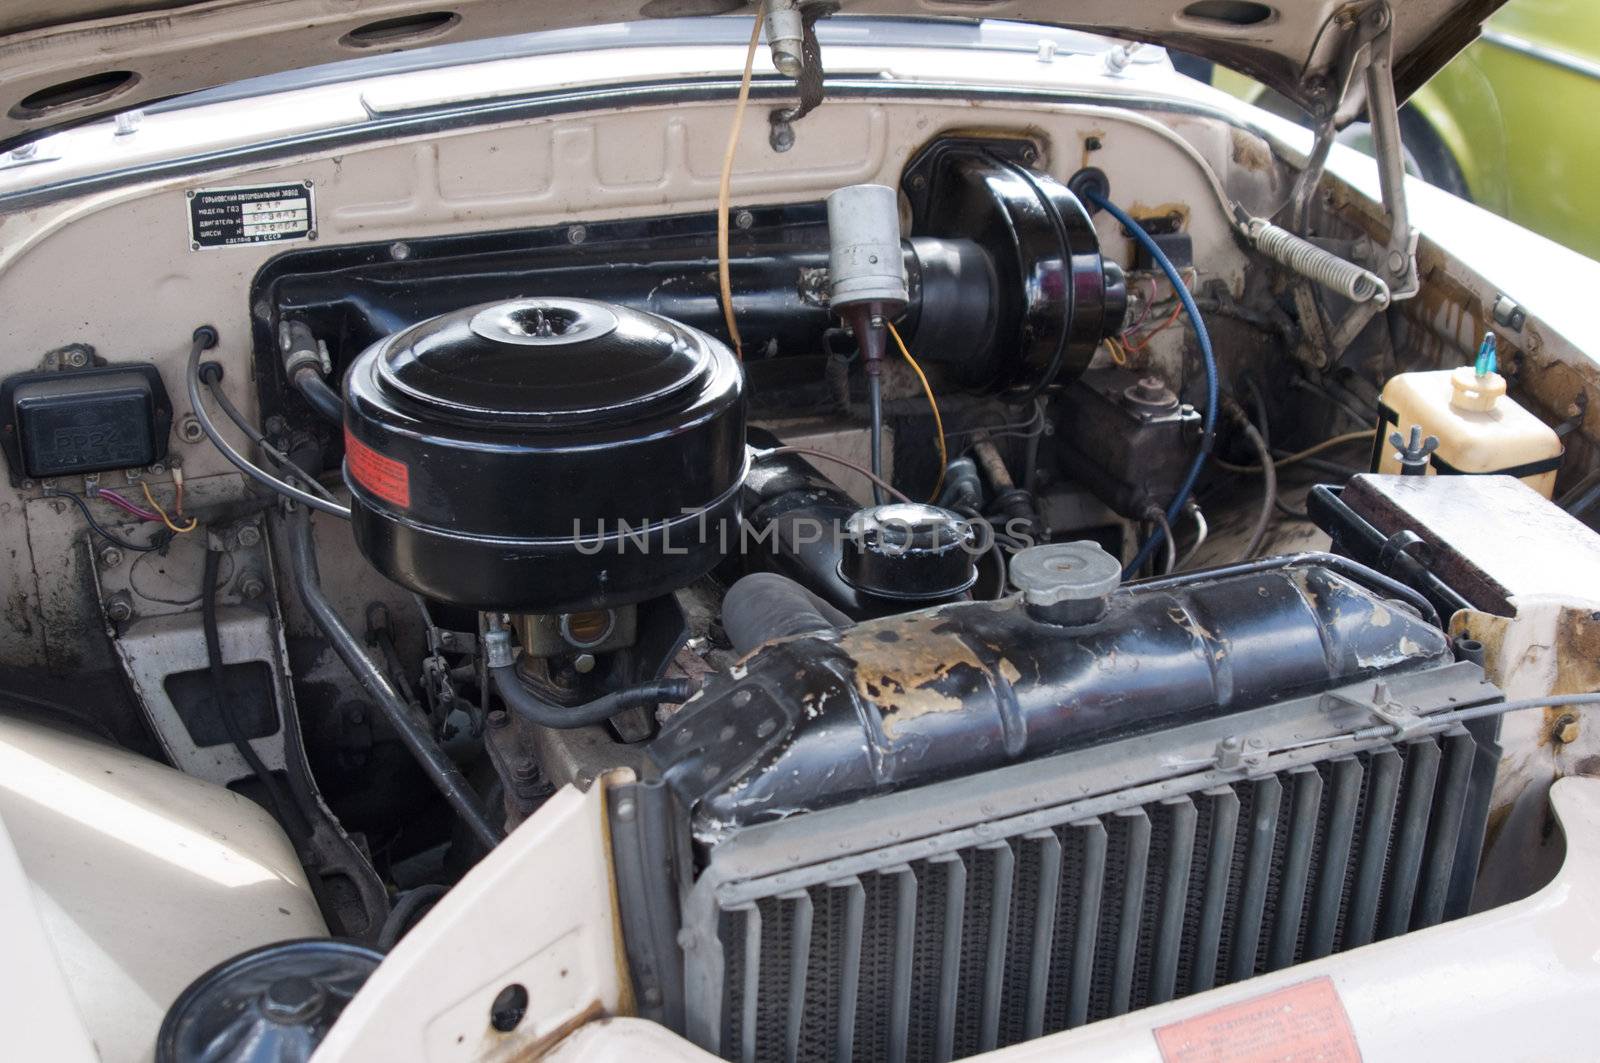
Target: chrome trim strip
1544	53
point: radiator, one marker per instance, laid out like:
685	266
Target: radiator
997	932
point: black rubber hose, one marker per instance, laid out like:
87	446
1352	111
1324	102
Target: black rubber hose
1269	474
764	606
412	906
407	722
309	383
531	707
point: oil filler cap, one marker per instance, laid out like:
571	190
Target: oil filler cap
1066	583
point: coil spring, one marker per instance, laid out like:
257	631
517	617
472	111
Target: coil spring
1312	262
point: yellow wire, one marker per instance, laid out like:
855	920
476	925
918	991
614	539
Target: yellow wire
1309	452
725	189
938	422
150	498
1119	354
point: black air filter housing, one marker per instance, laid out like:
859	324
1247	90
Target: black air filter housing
544	455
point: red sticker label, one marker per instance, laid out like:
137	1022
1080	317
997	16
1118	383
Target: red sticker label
1303	1023
385	477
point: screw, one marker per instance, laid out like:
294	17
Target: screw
583	663
1030	154
311	234
498	719
577	234
447	638
119	609
744	219
399	250
1092	144
189	430
251	588
157	469
249	535
625	809
111	557
77	359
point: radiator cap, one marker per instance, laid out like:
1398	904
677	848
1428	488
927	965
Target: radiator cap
1066	583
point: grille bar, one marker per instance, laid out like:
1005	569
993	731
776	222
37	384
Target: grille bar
1095	845
1049	890
1008	938
1174	897
1219	874
1266	799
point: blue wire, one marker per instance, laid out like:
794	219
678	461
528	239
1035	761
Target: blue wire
1209	420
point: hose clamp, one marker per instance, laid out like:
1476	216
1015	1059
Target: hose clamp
498	650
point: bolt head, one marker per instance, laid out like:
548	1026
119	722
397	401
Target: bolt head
251	589
119	609
110	557
249	535
292	999
577	234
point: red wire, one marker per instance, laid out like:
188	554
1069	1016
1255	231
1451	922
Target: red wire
1148	336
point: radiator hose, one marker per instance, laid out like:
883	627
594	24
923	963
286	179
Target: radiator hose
764	606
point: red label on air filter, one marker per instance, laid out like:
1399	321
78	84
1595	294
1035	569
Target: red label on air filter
385	477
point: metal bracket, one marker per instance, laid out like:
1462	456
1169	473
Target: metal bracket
1236	753
1407	723
1367	50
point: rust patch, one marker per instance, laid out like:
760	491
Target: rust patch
1251	152
1178	212
912	676
1576	652
511	1048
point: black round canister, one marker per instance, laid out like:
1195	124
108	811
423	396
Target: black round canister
909	552
545	455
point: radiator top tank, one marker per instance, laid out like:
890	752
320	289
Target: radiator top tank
824	719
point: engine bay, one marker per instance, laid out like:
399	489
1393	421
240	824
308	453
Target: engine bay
984	600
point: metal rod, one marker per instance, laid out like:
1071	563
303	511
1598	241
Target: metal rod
440	769
1353	570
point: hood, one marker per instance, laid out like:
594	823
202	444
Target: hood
66	61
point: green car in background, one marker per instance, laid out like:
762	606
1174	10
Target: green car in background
1510	123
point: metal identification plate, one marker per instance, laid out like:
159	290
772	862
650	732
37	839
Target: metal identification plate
257	214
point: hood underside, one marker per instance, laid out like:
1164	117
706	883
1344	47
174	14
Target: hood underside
64	62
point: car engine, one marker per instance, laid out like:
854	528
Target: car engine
920	734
